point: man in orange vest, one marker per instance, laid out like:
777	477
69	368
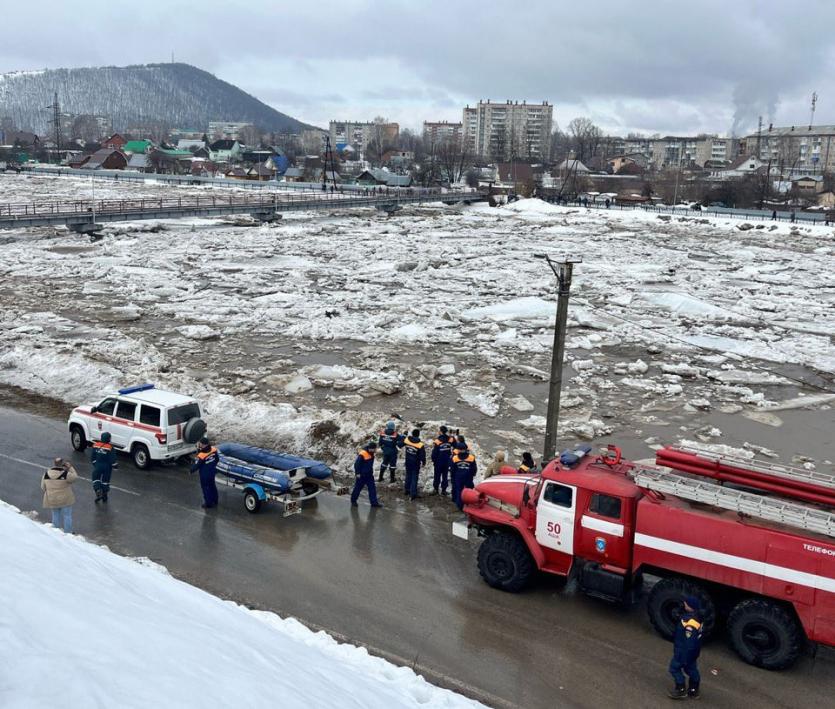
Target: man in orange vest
206	464
463	469
103	458
415	459
364	470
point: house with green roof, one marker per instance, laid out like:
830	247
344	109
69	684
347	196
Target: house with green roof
137	146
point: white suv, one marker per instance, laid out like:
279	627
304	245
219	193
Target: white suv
144	421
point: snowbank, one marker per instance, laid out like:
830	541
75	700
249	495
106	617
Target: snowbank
84	627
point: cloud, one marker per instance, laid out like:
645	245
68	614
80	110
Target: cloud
707	65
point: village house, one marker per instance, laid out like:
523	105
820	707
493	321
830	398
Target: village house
225	150
114	142
137	147
293	174
103	159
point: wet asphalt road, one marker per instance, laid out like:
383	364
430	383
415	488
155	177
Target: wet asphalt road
396	582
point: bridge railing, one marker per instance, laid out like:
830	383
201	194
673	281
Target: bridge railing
261	202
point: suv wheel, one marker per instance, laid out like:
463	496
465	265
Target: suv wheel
77	437
141	456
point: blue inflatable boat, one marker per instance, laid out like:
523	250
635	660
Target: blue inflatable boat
266	474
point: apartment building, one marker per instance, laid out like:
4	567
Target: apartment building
503	131
229	130
801	149
360	134
435	132
674	151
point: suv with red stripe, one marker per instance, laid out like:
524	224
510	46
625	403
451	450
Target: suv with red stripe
148	423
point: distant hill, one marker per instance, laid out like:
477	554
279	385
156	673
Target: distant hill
179	95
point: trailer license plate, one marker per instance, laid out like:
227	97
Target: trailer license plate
292	508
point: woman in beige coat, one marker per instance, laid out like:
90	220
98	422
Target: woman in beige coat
57	493
495	466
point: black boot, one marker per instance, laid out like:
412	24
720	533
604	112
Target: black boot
693	691
680	692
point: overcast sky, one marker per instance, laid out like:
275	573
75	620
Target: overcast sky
649	66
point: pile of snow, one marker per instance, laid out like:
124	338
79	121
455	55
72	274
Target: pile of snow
156	641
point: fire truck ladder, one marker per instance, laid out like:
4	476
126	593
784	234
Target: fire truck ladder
786	472
768	508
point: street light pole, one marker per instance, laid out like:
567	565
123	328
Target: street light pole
562	270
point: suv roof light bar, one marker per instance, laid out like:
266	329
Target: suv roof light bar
138	387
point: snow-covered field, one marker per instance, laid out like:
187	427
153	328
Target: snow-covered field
83	627
308	333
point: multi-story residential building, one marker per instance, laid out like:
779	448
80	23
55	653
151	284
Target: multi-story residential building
469	130
503	131
226	129
435	132
359	135
674	151
799	149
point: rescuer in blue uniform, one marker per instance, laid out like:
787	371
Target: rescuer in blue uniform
414	458
364	470
463	469
103	458
206	464
441	454
687	644
390	441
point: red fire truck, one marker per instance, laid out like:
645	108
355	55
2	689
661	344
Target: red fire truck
754	542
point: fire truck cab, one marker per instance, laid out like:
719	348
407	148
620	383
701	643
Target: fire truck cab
763	563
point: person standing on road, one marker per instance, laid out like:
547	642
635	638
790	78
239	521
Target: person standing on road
463	468
103	458
687	644
441	454
58	495
205	463
390	441
414	458
527	466
364	470
495	467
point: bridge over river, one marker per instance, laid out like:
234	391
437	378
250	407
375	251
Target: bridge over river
86	215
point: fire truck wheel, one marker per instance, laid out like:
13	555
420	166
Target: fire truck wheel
765	634
79	442
141	456
505	562
665	601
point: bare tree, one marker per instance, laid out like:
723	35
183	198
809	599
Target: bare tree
250	136
585	136
86	128
452	159
380	139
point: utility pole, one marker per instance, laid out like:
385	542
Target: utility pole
56	124
562	270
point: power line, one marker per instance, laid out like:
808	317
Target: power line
663	333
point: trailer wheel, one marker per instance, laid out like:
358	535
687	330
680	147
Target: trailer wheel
252	502
504	562
666	601
765	634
